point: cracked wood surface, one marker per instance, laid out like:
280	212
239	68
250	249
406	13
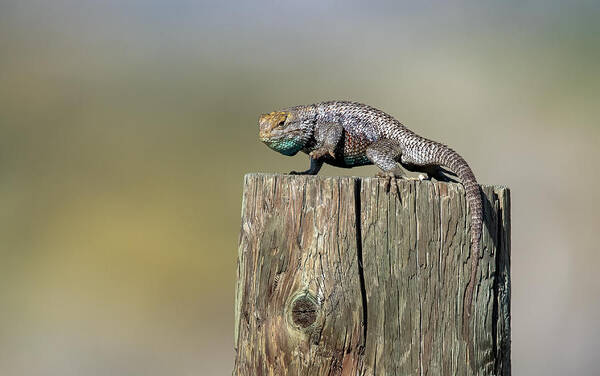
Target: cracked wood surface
338	277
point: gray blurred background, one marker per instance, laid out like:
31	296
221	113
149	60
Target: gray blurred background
126	128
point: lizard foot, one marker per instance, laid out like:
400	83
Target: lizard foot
390	180
307	172
316	154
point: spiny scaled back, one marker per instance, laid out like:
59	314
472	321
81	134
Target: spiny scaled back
348	134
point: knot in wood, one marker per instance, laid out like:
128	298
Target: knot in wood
304	311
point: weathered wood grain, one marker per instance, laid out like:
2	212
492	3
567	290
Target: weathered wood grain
338	277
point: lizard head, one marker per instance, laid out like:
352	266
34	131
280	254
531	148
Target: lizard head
284	131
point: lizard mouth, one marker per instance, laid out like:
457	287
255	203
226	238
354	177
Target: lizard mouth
264	136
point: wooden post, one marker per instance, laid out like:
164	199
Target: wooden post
338	277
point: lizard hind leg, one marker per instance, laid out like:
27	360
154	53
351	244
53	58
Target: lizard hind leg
385	154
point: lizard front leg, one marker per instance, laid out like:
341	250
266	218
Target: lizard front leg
328	136
315	166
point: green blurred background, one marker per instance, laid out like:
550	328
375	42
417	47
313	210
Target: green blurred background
126	128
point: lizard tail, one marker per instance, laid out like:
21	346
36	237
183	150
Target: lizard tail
452	160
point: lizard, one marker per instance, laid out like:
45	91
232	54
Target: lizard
348	134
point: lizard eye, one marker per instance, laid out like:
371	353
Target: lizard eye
281	123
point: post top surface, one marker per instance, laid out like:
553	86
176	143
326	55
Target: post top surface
362	178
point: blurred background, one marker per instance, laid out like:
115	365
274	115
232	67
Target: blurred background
126	128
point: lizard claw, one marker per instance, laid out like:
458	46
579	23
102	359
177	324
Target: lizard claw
390	181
